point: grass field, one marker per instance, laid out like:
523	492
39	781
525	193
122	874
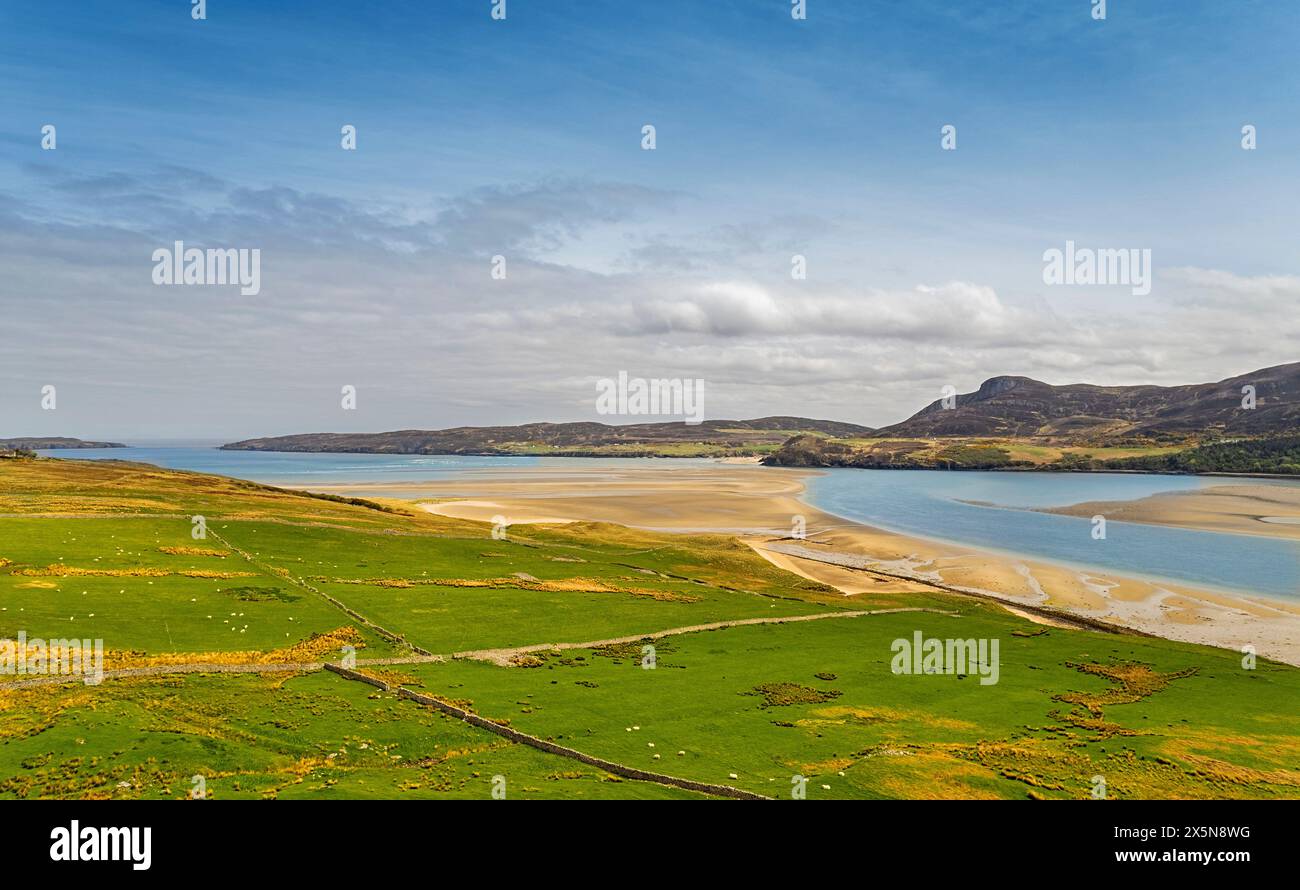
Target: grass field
103	550
1219	732
1021	451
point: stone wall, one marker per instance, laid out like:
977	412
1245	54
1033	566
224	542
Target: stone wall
514	735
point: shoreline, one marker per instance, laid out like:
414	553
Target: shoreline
741	458
761	457
1084	568
761	509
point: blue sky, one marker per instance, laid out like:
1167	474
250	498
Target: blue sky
521	137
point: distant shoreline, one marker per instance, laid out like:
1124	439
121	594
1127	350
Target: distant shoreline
741	459
759	458
53	443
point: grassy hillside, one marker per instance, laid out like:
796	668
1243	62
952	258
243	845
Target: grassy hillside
1011	406
1278	455
284	581
711	438
31	443
959	454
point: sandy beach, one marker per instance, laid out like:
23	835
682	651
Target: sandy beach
762	505
1250	509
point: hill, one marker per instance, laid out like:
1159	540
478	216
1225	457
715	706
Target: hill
895	454
711	438
1021	423
1023	407
38	443
1273	455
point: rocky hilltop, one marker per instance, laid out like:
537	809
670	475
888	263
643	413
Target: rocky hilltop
1024	407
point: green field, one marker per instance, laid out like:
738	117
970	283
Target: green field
987	453
1273	455
102	550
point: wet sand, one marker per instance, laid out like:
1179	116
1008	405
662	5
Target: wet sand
1270	510
762	506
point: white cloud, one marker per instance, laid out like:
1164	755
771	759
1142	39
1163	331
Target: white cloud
399	302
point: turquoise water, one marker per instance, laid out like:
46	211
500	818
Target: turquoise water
930	504
935	504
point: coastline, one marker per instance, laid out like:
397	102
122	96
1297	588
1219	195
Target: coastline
760	506
760	458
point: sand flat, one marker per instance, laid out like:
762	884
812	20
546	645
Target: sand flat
488	511
1268	510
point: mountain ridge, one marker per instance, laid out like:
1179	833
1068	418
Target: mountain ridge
1002	407
582	438
1016	406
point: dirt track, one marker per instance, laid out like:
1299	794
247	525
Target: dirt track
501	656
